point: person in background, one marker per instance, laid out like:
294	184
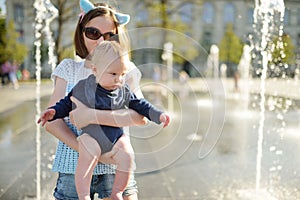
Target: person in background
13	75
96	23
5	68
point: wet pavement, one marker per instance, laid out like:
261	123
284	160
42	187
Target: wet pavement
18	143
187	160
11	98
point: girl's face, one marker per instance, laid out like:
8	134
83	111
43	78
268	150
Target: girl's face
104	24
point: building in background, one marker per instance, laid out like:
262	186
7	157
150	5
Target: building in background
206	20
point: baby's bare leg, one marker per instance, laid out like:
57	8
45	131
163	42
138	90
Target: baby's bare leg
124	159
89	151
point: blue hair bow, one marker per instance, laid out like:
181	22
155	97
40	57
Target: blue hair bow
87	6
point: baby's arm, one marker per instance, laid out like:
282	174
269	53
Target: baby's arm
145	108
60	110
46	116
164	118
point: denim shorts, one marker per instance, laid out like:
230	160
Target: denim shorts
101	184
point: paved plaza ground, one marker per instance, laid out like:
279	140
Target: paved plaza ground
181	162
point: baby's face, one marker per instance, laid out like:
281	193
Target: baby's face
113	76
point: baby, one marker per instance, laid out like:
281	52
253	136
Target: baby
105	89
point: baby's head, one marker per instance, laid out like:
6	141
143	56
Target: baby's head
109	63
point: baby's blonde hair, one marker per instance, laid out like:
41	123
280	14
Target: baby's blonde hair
106	53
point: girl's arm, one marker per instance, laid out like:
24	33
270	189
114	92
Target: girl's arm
82	116
58	128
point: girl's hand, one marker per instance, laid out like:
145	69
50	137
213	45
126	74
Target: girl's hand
80	116
164	118
46	116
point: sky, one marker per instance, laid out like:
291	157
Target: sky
2	5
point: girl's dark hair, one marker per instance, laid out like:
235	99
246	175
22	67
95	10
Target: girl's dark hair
80	47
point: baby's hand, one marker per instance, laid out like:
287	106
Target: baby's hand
46	116
164	118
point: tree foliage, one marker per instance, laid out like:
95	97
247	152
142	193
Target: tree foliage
2	40
231	47
230	50
283	57
10	48
66	15
283	50
166	14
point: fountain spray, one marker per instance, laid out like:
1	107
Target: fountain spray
264	24
45	13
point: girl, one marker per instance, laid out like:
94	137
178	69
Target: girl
96	24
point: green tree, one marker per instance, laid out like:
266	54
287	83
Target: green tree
283	57
13	50
66	14
2	40
231	49
169	19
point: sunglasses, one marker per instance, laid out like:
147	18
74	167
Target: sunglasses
94	34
